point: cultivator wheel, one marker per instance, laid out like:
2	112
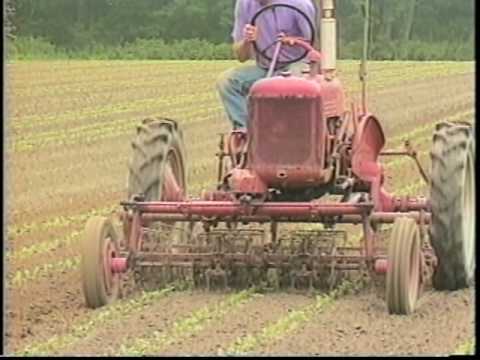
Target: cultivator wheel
158	158
453	205
404	267
100	245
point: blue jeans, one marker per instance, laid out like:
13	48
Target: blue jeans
233	87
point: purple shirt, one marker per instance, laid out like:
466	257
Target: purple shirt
272	22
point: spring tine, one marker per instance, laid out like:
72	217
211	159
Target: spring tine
207	278
292	280
311	289
225	283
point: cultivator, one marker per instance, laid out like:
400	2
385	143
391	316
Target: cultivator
304	159
239	258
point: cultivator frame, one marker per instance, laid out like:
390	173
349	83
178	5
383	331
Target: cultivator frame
140	215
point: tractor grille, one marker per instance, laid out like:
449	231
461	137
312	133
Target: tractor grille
283	131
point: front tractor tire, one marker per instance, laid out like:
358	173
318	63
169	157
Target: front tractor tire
404	267
453	205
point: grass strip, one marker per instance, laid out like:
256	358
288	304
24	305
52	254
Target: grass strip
97	319
155	342
285	325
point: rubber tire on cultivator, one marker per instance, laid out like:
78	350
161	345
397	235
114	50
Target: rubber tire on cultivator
404	267
158	145
453	205
100	244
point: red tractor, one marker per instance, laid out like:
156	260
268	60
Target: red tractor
306	157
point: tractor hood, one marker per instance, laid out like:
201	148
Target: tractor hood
285	87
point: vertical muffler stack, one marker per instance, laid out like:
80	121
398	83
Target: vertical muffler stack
328	29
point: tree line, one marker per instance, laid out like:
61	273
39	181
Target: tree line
406	29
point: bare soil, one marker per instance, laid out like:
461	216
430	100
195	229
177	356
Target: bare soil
57	180
361	325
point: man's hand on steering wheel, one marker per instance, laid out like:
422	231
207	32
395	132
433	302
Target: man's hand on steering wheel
250	33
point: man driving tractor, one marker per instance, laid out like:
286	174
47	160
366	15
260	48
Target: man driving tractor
257	41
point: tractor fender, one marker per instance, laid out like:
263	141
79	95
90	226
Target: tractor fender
368	142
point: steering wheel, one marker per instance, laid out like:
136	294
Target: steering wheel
263	53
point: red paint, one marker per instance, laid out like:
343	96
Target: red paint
381	266
368	142
247	182
228	209
381	217
285	124
285	86
333	96
118	265
313	54
171	189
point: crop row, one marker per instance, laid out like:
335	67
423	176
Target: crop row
104	130
14	231
420	138
205	83
287	324
160	69
105	72
143	81
154	342
97	131
43	247
425	132
22	277
185	327
424	111
167	101
87	327
87	134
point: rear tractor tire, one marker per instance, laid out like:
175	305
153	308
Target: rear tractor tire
158	145
404	267
158	152
453	205
100	244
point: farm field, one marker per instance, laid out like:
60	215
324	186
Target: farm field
68	134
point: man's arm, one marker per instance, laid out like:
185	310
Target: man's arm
243	33
310	9
244	48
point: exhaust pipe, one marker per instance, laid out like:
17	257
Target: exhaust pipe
328	26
